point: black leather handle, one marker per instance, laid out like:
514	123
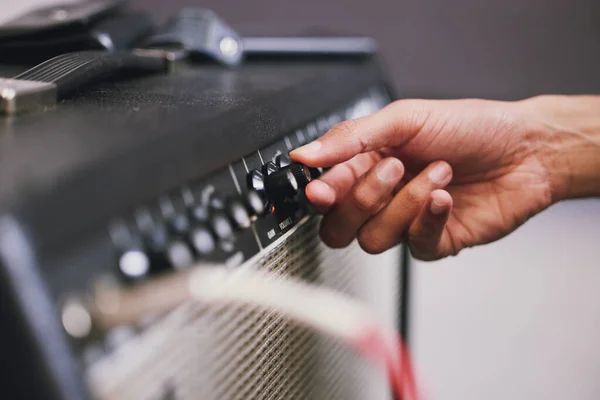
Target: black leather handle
74	70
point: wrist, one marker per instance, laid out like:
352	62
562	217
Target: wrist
567	141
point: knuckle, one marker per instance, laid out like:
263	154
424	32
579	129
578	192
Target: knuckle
413	193
345	128
423	231
418	113
424	255
454	252
364	199
349	130
425	251
454	248
421	251
370	243
330	238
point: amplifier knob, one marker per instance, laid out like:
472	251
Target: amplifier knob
269	168
179	254
221	226
179	224
199	213
177	251
239	214
134	264
316	172
287	182
157	237
156	241
256	197
282	160
256	181
256	203
216	202
302	173
202	240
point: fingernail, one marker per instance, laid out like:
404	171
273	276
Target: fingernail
437	208
308	149
389	171
439	174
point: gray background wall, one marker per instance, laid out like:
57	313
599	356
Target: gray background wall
518	319
493	48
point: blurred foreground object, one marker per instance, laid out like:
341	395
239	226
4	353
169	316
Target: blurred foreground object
323	311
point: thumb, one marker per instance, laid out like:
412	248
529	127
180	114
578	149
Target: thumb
393	125
426	235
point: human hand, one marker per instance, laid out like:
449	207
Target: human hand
443	175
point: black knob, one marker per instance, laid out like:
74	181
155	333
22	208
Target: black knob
216	202
199	213
202	240
177	251
157	237
221	227
155	241
302	173
287	182
134	263
282	160
256	197
256	181
239	214
269	168
257	205
179	224
178	254
316	172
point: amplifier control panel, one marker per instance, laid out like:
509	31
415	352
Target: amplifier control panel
232	215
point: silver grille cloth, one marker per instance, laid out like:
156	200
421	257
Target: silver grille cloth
222	353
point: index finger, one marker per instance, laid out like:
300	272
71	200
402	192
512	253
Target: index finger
392	126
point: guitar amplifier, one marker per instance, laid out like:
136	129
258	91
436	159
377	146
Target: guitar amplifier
140	176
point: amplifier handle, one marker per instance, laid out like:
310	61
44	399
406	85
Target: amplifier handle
70	71
43	85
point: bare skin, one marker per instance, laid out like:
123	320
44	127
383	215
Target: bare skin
446	175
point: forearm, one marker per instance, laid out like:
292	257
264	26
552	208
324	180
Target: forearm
569	143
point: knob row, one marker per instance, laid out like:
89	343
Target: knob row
188	235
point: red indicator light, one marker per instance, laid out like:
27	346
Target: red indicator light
272	209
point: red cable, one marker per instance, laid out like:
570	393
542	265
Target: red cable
397	363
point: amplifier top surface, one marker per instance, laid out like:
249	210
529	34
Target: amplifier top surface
127	138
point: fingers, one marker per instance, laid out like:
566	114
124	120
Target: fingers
333	186
387	228
371	193
321	195
393	125
426	234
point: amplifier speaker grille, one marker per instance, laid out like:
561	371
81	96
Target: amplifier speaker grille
222	353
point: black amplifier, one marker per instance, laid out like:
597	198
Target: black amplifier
140	176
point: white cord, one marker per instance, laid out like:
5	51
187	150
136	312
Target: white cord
323	309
